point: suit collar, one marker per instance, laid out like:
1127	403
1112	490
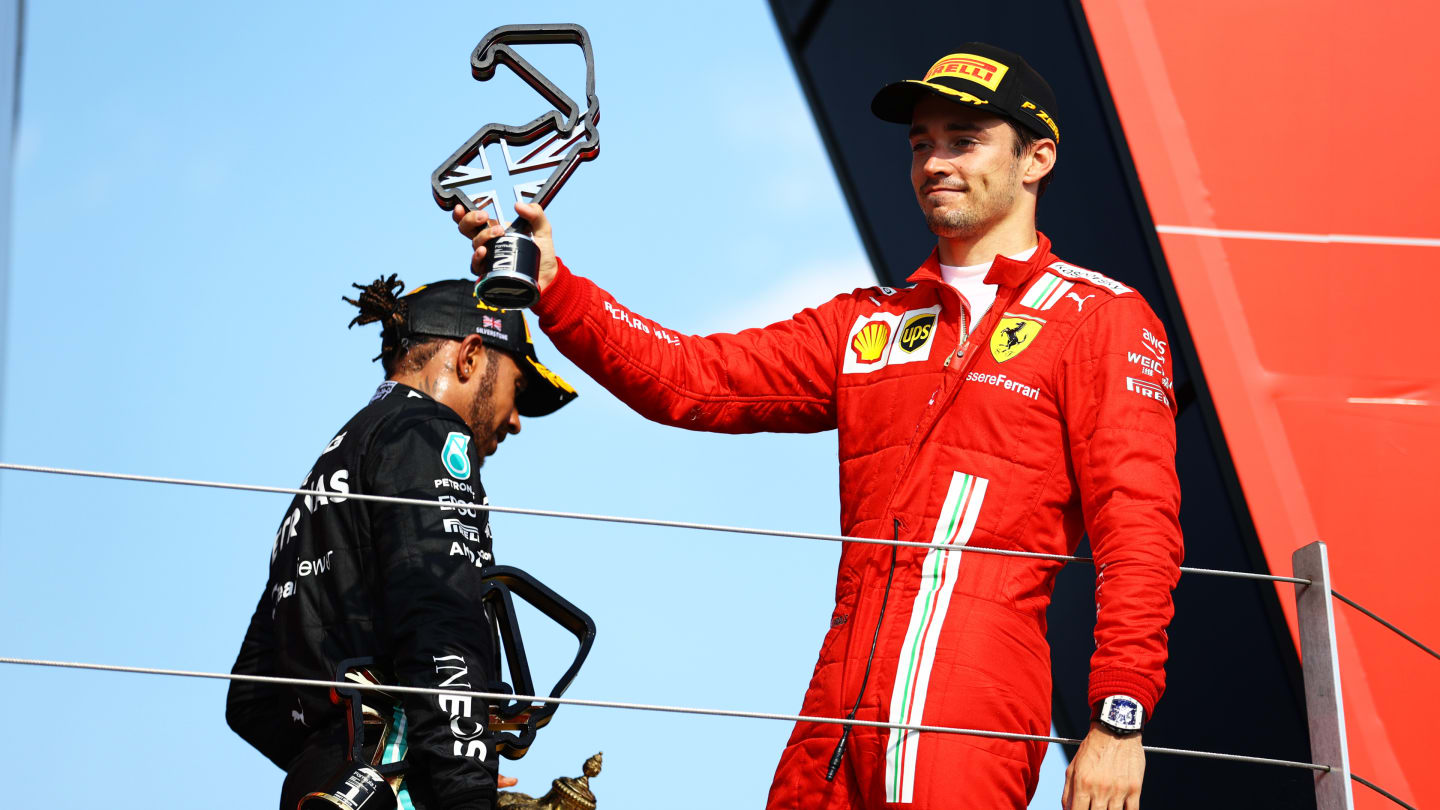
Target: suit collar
1003	271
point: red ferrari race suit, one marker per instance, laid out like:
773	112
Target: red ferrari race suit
1052	417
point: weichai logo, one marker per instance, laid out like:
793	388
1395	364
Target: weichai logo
969	66
870	342
916	331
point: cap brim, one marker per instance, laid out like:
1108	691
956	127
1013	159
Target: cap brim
896	102
545	393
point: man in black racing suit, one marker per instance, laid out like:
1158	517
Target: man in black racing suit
397	583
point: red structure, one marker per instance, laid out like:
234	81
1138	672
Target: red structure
1263	173
1300	121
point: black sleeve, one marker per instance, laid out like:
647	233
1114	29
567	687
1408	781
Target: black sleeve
252	709
428	569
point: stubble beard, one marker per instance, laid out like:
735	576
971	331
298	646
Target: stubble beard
974	219
481	417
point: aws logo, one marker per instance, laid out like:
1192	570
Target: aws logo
916	332
881	339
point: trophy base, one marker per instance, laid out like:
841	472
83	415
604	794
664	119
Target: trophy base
508	290
512	263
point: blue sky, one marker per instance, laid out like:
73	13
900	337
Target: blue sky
195	188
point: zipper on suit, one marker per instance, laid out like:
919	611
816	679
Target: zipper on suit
922	430
964	332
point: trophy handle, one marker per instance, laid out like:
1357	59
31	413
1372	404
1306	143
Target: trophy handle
500	583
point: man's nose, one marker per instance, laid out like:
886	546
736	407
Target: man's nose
935	166
513	423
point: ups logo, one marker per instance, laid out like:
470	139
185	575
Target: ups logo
917	331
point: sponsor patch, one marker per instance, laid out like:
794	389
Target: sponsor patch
638	323
1012	336
1090	277
982	71
456	455
1001	381
1146	389
1041	114
1153	344
870	343
915	336
1149	365
916	331
885	339
855	362
383	391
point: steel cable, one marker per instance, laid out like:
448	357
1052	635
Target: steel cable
634	521
1383	792
500	697
1398	631
496	696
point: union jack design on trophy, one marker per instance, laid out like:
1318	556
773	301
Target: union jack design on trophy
559	140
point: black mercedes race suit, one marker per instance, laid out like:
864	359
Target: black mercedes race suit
398	583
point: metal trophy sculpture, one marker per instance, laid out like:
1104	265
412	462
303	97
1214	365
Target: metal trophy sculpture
366	782
569	135
566	793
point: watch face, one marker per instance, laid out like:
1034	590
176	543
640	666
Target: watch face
1122	712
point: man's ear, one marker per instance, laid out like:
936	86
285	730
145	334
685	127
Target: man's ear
470	358
1042	161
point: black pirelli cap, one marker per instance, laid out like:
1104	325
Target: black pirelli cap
450	309
982	76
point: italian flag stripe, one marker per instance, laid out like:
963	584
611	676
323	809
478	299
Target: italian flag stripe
1039	291
927	615
1057	294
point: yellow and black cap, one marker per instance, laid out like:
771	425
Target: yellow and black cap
450	309
979	75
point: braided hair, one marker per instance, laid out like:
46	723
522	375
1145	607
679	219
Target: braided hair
380	301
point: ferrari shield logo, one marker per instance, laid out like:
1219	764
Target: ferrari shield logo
1012	336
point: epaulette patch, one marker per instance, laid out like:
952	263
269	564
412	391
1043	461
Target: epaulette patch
1090	277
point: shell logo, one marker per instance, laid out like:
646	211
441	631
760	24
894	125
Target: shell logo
870	342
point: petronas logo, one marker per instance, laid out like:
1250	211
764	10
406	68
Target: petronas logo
456	455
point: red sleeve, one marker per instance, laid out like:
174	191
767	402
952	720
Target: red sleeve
1120	413
780	378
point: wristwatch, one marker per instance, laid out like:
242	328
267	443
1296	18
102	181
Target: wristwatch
1120	714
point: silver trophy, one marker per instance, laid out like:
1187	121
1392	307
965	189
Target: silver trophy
558	140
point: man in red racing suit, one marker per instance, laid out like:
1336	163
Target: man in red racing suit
1050	416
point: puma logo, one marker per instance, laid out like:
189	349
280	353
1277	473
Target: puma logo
1079	302
298	715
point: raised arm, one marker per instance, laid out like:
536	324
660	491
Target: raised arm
778	378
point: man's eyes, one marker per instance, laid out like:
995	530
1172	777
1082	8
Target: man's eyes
958	144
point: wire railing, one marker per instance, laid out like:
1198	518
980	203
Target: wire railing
632	521
707	527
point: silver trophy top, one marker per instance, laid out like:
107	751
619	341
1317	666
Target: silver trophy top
566	135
